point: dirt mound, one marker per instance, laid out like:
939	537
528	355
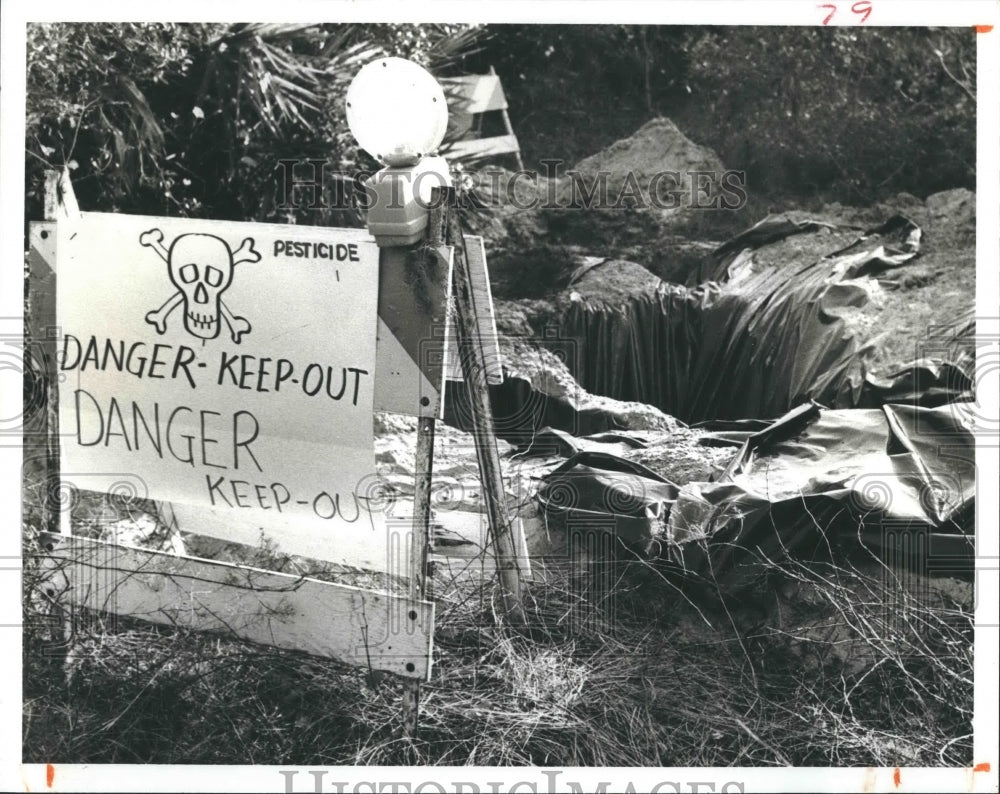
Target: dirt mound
950	219
611	280
947	219
656	148
959	205
536	227
546	371
657	152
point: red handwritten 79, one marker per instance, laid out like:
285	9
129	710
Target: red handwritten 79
863	8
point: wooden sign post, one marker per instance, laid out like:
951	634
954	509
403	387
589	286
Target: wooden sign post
141	367
419	587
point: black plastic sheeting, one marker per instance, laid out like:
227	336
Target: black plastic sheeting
899	480
744	345
521	409
612	495
855	461
752	342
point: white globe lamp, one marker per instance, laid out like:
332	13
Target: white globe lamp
397	111
398	114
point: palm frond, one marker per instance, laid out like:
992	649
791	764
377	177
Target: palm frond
273	69
451	46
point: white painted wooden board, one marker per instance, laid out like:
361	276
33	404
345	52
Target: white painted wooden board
482	298
484	147
299	501
363	628
368	546
256	407
475	93
412	340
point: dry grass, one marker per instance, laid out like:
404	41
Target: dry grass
851	666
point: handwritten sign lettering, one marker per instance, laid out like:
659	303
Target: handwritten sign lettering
231	367
341	252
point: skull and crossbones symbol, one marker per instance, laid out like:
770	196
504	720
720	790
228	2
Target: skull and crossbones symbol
201	267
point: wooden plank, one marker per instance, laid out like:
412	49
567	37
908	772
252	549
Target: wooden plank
363	628
41	439
482	296
484	147
43	332
510	131
367	546
60	200
474	368
420	520
413	316
42	443
419	582
474	93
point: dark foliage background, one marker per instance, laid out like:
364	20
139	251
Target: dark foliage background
847	114
191	119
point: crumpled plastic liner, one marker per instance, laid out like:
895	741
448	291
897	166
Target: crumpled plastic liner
753	340
899	479
521	409
601	491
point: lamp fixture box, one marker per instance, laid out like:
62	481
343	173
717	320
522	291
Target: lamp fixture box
401	199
